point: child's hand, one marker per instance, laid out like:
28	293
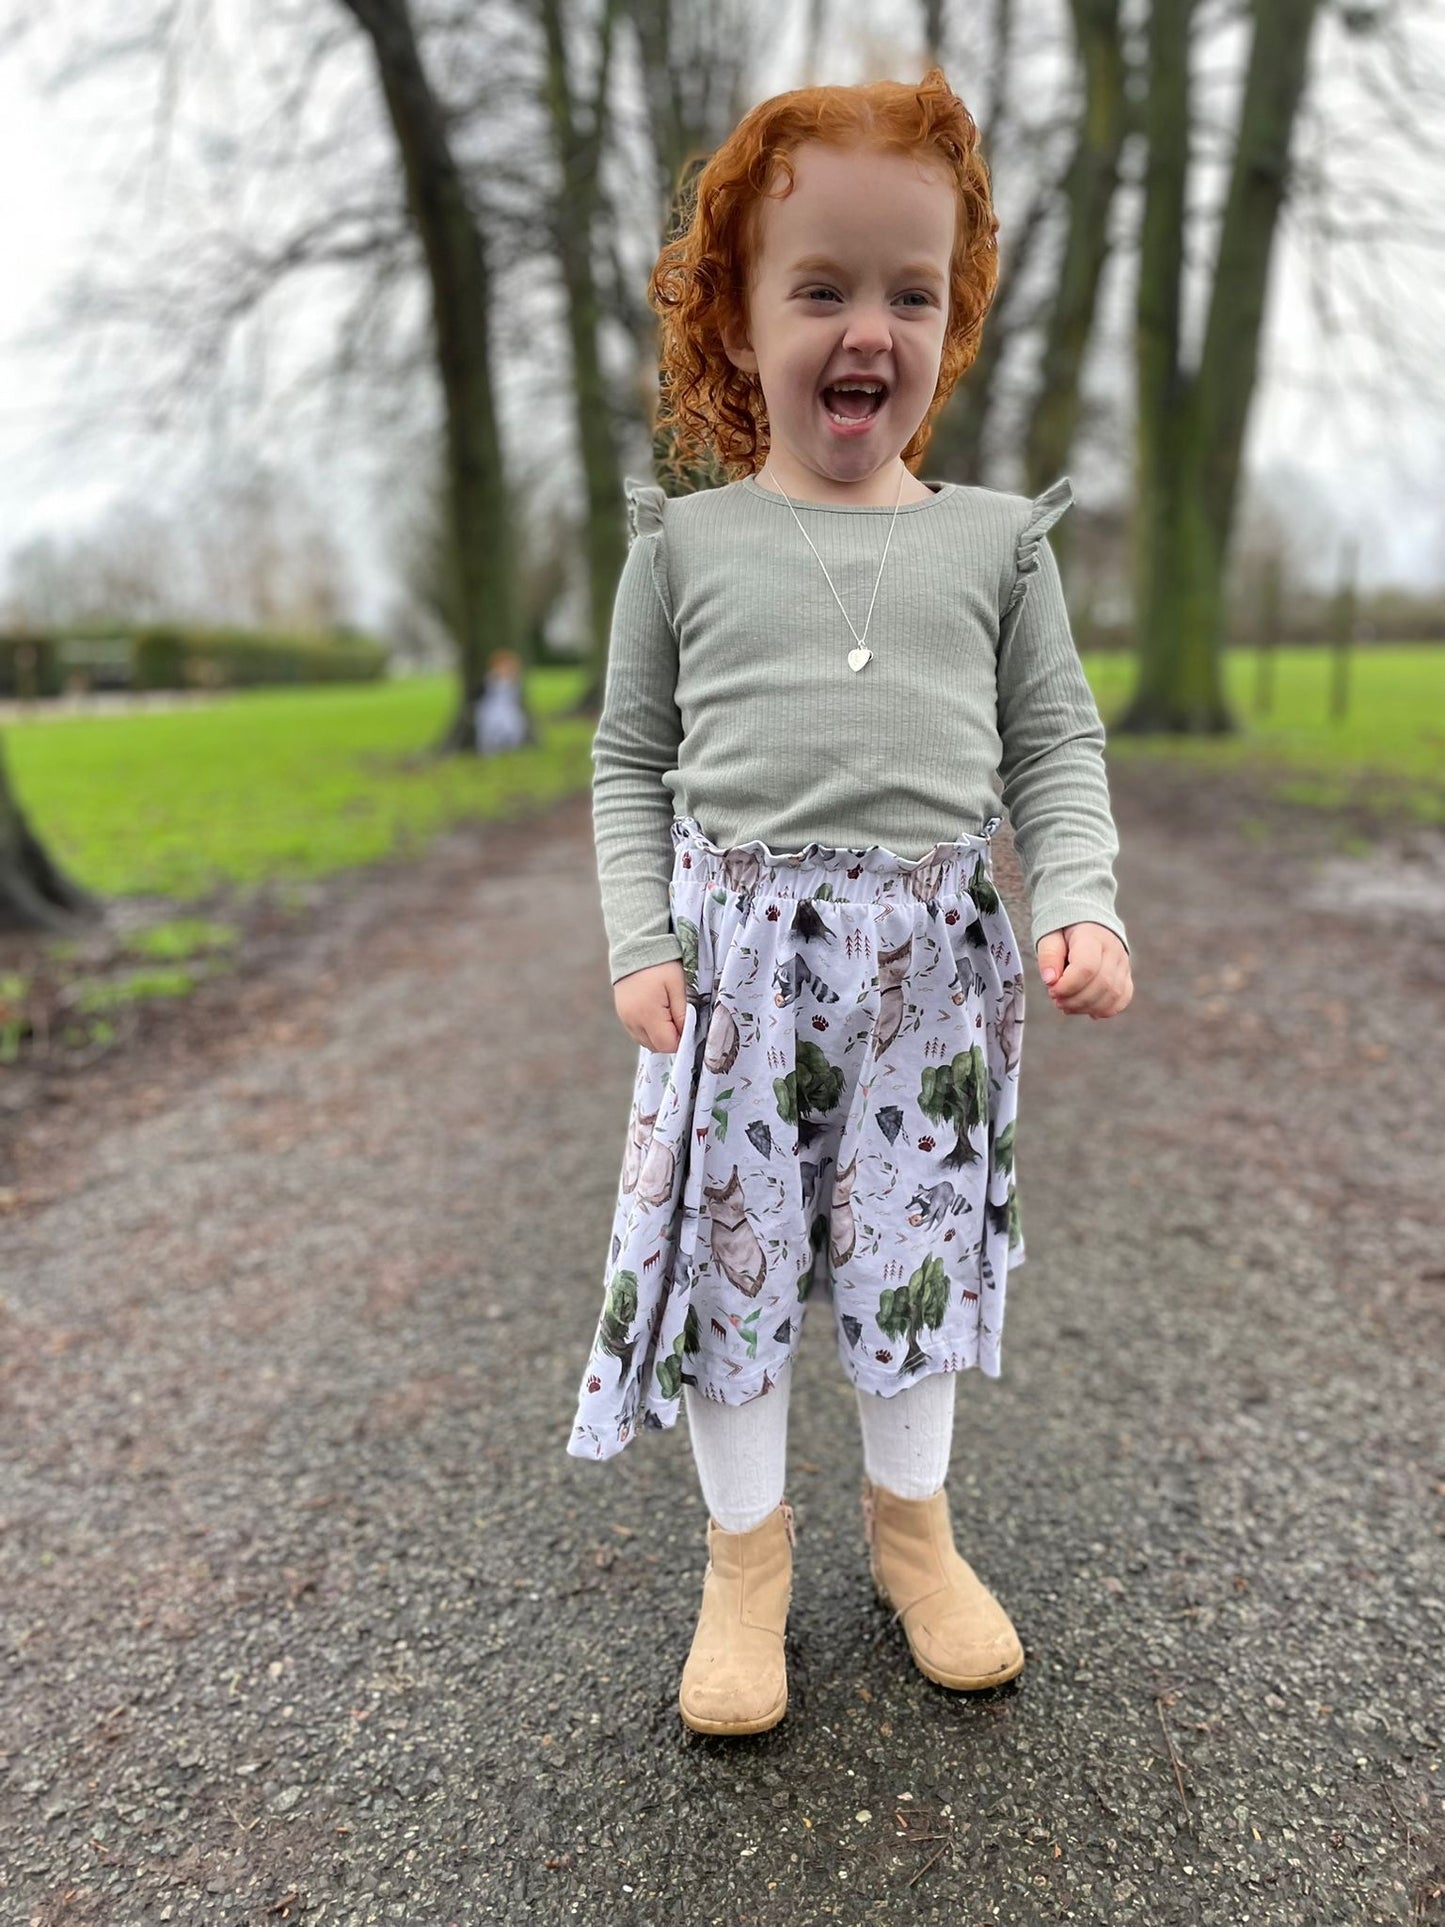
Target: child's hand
1089	968
651	1003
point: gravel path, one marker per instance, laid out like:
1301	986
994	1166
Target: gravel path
306	1615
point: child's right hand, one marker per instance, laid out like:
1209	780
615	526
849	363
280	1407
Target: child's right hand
651	1004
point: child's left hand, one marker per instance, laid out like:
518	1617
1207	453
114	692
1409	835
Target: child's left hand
1090	968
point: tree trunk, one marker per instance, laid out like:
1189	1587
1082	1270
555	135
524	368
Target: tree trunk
578	144
487	595
35	894
694	63
957	450
1191	426
1088	194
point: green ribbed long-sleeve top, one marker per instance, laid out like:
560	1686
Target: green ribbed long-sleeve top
729	697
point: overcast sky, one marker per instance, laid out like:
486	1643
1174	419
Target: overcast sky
1339	437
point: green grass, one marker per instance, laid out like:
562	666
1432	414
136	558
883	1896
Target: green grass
276	785
180	938
279	787
13	992
1393	729
282	787
140	986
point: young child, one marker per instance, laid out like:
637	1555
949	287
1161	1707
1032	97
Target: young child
817	673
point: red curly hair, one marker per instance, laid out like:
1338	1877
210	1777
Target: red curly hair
708	410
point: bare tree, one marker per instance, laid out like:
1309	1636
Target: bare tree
255	551
467	216
379	231
693	61
1055	305
460	281
507	170
579	132
1087	194
35	892
1191	424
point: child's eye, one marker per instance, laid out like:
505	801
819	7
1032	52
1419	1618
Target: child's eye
916	293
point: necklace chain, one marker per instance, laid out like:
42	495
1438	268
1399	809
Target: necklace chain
862	654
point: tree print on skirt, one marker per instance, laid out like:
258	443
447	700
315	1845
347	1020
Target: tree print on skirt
839	1115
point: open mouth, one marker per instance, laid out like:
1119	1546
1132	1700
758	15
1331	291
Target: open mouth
848	403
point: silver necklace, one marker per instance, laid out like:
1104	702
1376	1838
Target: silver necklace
856	657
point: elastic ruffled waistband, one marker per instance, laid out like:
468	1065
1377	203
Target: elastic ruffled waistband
864	872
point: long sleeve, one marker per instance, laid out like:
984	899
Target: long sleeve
1054	783
635	743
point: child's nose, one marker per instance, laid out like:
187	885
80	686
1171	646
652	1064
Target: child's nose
869	327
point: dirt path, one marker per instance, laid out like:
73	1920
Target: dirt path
307	1616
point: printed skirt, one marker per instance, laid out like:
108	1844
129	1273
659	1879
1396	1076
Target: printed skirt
838	1115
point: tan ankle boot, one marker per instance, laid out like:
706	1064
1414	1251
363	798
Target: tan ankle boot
735	1679
958	1632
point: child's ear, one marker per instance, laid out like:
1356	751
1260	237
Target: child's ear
738	352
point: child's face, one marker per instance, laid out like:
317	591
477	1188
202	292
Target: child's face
884	223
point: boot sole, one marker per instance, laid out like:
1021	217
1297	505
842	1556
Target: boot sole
725	1727
960	1682
964	1683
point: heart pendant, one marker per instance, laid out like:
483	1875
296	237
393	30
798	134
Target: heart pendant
857	657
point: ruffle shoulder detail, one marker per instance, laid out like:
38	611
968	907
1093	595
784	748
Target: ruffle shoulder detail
1044	511
644	517
644	508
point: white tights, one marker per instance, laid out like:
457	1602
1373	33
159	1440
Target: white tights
741	1450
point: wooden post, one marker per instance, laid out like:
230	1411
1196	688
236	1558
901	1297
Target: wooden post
1342	629
1271	602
